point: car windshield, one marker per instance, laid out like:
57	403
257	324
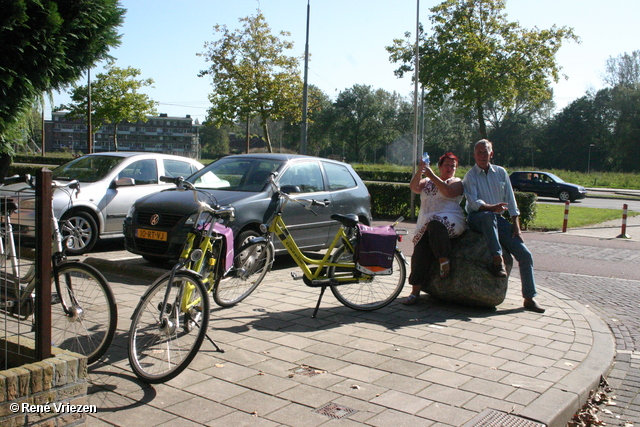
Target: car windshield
236	174
87	168
555	178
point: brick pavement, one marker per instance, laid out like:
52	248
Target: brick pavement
430	364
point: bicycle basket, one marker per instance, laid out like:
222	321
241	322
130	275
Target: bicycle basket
375	249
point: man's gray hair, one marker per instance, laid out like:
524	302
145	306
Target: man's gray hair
486	143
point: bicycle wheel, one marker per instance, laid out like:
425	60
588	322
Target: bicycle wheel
160	350
90	323
252	262
371	294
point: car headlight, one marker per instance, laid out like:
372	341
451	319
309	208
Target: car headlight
192	219
130	212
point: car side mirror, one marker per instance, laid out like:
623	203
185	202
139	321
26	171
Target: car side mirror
124	182
290	189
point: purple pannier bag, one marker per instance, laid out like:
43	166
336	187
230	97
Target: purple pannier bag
375	249
227	246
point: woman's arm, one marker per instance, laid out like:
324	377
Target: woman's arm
417	182
451	189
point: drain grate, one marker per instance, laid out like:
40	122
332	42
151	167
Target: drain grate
493	418
335	411
306	371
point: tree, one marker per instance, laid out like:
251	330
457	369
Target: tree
475	55
364	117
252	76
46	45
623	70
114	99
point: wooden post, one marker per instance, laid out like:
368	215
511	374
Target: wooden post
44	231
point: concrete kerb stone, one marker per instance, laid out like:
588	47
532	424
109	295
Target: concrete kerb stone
573	390
134	267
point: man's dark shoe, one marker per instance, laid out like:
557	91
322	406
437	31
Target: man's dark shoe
531	305
498	270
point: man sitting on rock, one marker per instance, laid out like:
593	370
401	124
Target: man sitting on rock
488	192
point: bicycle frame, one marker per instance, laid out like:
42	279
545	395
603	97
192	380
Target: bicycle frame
279	228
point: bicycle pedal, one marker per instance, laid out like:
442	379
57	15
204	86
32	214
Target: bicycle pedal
296	276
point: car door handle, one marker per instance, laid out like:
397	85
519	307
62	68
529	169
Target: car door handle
327	202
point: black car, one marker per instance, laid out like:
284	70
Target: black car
546	184
156	226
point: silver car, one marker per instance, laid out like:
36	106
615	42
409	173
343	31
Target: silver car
109	184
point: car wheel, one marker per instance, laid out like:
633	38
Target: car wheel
244	238
564	196
79	232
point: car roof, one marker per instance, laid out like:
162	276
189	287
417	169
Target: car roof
529	172
127	154
283	157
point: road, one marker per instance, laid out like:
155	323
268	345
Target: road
596	202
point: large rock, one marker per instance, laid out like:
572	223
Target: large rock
470	281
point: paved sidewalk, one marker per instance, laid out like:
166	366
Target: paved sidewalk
429	364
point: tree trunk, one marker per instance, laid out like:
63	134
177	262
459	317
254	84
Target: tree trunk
5	162
115	137
267	137
482	127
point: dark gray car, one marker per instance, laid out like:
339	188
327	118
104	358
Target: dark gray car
157	225
546	184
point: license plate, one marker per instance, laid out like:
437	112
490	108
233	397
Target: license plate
152	234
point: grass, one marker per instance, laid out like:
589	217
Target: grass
626	180
551	217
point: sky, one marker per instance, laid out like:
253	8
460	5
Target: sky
347	40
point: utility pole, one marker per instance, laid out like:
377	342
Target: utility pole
305	90
415	105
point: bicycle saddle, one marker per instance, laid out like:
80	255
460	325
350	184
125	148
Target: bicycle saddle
349	220
7	206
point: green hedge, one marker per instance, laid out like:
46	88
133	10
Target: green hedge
389	201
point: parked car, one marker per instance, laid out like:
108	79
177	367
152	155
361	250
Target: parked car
157	225
109	184
546	184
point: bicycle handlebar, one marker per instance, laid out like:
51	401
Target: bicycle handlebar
222	211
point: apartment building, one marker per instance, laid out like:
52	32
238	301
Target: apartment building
159	134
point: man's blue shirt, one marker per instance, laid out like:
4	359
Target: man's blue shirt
492	187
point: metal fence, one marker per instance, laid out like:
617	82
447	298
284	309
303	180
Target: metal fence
25	271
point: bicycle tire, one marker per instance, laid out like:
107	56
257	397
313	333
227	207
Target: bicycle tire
251	263
369	295
90	326
160	352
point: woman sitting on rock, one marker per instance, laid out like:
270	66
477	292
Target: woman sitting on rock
440	219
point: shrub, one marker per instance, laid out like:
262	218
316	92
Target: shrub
389	201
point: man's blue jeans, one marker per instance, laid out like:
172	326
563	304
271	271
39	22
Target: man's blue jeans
498	233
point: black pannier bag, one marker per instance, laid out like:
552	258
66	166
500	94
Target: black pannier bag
375	248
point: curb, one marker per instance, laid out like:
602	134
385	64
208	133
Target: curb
133	267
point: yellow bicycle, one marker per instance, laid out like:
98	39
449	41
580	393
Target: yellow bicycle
337	268
170	322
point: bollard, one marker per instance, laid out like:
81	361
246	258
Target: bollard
624	235
566	216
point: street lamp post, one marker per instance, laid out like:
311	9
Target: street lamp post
589	158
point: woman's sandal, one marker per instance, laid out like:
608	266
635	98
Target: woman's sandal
411	300
444	269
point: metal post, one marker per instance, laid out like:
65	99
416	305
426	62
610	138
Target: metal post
44	232
416	74
305	91
89	125
589	158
